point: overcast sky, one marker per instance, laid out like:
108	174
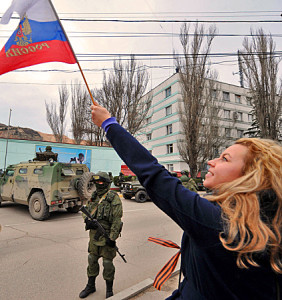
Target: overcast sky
26	91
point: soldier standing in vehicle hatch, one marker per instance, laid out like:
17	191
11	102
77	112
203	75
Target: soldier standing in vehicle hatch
106	207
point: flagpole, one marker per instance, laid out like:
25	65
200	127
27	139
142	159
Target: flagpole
8	136
53	8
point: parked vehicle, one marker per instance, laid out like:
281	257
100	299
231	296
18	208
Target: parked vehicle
132	189
199	182
45	185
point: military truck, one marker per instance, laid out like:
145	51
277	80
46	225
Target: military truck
45	185
131	189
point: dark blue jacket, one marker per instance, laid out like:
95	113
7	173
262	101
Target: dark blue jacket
210	271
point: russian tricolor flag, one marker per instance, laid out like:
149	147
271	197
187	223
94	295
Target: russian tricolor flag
39	37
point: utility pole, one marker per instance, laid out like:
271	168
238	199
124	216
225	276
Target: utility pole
240	70
7	140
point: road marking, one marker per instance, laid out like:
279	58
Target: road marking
69	218
10	225
133	210
43	222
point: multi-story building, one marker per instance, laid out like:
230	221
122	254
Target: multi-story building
162	130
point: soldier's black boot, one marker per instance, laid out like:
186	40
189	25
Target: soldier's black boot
109	290
89	289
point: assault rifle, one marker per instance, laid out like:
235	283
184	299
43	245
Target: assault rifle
101	228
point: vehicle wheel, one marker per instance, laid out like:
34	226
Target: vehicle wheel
37	206
141	196
74	209
86	186
126	196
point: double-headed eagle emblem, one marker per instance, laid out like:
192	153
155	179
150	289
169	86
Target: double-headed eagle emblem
24	33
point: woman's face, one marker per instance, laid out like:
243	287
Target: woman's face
227	167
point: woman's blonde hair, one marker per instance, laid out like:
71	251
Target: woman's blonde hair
247	230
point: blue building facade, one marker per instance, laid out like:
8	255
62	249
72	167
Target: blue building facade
105	159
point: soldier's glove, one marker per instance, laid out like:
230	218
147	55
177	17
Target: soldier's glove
110	243
89	224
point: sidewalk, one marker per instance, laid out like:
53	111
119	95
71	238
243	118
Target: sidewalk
145	291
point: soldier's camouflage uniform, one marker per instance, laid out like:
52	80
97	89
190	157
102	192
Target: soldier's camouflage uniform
108	214
189	183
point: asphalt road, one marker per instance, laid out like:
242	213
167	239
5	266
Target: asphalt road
48	260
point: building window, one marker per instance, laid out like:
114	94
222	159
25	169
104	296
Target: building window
226	96
239	116
169	129
169	167
169	148
214	94
228	132
237	99
240	133
148	120
249	101
168	92
168	110
250	118
149	136
226	114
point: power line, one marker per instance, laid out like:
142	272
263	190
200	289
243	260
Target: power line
159	35
174	12
166	21
171	12
230	62
216	54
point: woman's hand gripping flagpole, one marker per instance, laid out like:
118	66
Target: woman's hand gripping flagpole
99	114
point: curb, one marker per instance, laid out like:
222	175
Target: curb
136	289
133	291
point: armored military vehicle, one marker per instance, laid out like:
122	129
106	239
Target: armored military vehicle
131	189
46	185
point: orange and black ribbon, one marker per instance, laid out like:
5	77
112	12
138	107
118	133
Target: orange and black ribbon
169	267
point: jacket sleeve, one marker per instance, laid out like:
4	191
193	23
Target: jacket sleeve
195	215
117	215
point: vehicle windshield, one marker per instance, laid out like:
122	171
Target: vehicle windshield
10	172
67	172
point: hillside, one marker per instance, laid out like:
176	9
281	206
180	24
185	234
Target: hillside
20	133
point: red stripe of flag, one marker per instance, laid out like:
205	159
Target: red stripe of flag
23	56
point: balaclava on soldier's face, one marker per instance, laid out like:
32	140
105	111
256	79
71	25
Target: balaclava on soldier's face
102	188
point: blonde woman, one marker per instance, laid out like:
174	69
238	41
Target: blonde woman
231	246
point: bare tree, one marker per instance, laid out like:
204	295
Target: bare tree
56	120
79	108
199	110
122	93
261	74
94	135
135	107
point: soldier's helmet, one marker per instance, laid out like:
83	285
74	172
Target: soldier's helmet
48	148
102	176
102	182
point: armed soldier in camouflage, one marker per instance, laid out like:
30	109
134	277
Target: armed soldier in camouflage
106	207
189	183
